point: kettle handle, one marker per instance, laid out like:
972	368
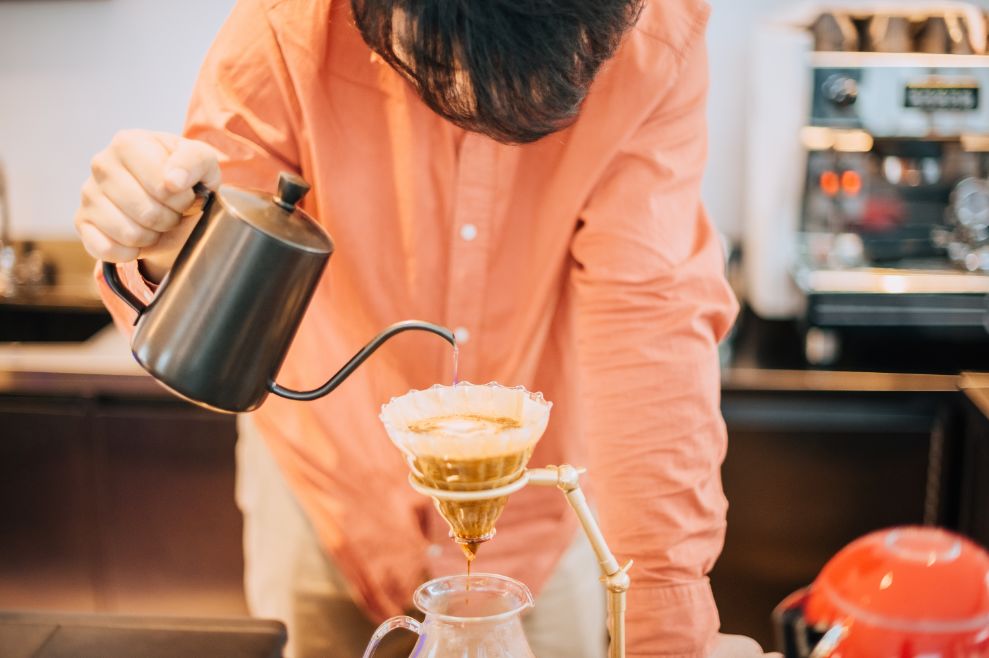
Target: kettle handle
831	640
361	357
113	282
112	276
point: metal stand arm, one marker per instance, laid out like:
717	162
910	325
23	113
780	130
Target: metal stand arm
566	479
615	578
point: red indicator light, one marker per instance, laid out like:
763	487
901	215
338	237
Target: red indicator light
851	183
830	184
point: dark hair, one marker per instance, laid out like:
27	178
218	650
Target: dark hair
515	70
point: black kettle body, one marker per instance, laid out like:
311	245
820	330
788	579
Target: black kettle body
222	320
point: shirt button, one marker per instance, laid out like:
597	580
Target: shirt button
461	334
468	232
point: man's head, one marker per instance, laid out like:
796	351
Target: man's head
515	70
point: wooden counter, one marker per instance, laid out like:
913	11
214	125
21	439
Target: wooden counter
120	496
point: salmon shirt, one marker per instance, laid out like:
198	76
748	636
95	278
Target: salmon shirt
582	265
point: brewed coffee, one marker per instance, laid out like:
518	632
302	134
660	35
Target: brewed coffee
467	438
471	522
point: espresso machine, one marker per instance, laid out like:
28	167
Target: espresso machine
868	173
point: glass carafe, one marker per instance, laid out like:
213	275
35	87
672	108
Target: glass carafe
481	622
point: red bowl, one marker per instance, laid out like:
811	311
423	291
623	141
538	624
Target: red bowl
905	592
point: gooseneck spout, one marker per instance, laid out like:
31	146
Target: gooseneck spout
361	357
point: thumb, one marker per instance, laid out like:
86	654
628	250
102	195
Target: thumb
192	162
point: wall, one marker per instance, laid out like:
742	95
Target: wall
729	32
72	72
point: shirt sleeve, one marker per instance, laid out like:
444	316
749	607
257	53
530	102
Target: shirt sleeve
244	105
651	305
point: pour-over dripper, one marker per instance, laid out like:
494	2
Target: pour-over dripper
467	437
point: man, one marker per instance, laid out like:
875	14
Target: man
527	173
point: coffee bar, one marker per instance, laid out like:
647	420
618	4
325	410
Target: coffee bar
848	184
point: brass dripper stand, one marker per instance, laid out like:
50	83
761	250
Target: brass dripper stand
467	448
615	578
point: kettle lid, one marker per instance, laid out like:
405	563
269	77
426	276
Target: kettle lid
278	215
907	577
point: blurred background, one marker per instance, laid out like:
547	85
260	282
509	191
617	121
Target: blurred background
67	90
849	155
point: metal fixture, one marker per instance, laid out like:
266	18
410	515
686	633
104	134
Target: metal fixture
8	254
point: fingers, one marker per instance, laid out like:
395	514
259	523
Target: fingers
129	196
100	212
191	162
141	185
101	247
143	157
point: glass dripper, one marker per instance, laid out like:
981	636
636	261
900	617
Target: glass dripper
480	622
467	437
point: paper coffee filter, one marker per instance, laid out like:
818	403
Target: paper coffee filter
462	427
467	438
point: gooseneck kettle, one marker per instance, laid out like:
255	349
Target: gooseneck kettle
223	318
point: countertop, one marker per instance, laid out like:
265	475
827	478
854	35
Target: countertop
75	286
976	388
51	635
768	356
73	296
102	365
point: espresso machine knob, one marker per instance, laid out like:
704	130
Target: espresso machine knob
841	90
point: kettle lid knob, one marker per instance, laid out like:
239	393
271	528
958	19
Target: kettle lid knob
291	189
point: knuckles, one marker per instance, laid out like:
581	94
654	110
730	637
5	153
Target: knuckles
159	219
100	165
134	235
123	138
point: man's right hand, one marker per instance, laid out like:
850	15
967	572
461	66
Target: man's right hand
134	203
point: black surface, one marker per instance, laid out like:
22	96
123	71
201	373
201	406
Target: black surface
805	474
973	514
917	316
779	344
37	324
41	635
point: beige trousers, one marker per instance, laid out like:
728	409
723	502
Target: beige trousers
287	576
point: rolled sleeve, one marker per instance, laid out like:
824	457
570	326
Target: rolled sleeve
651	305
245	103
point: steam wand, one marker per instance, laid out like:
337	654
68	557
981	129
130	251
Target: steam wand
565	478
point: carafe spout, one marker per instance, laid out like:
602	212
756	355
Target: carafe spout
361	357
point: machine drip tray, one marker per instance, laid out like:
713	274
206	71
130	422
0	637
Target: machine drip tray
867	346
947	315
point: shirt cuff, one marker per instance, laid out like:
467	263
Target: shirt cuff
134	281
671	621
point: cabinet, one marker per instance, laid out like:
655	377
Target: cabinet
973	512
809	471
118	505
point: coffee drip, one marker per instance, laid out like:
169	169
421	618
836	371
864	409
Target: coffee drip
467	438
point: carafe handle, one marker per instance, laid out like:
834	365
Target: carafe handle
408	623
